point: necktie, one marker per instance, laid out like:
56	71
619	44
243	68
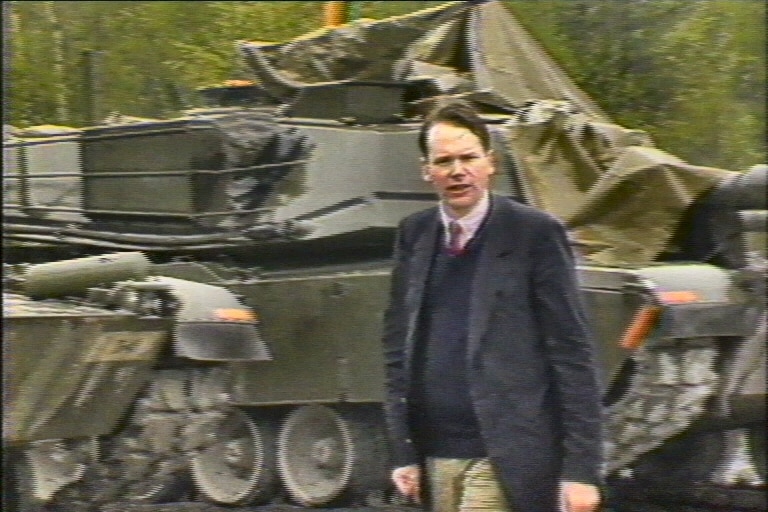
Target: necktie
454	242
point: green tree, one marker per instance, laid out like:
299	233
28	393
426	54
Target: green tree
716	109
691	73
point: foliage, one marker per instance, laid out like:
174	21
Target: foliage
691	72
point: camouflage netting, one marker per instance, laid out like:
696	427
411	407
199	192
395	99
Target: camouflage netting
621	197
461	46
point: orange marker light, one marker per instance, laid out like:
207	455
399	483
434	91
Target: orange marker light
679	297
640	327
235	315
238	83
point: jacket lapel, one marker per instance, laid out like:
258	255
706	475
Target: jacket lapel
483	288
488	266
423	251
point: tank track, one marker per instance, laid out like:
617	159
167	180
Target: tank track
148	460
670	389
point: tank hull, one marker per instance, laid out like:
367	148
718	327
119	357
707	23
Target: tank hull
72	371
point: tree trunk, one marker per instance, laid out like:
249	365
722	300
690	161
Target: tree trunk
57	47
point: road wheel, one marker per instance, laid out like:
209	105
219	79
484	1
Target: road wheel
237	466
315	455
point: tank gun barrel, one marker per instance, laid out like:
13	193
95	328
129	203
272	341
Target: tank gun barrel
70	277
744	190
729	219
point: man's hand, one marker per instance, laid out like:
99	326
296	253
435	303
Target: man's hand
580	497
408	481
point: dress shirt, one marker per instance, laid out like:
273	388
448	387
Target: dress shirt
469	223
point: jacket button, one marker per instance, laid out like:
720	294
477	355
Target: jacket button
403	400
409	441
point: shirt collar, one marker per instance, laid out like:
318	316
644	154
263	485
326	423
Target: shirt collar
472	220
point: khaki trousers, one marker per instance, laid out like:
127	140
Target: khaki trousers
464	485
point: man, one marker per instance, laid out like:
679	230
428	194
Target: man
490	375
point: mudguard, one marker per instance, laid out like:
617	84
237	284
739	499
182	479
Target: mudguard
697	300
686	312
212	324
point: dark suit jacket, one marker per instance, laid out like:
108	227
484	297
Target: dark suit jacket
531	371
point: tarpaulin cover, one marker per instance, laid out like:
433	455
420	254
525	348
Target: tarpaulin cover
463	46
217	168
621	197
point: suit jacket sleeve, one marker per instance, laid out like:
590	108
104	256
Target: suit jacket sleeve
561	320
394	341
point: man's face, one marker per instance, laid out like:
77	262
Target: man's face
457	166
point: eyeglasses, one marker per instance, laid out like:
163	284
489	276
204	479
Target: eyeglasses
446	165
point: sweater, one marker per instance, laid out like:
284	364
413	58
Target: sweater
442	415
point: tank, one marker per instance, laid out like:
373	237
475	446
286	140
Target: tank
85	344
263	227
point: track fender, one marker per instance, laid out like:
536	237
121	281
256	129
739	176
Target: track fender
213	325
699	300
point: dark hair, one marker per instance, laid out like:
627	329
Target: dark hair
458	113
